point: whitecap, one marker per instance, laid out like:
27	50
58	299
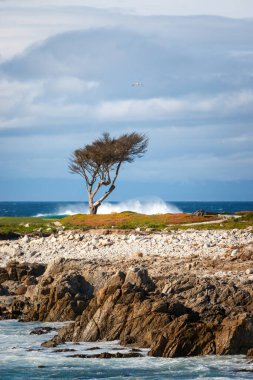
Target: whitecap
149	207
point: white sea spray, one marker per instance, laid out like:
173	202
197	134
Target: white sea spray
149	207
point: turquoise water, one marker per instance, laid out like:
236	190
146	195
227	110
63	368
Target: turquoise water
16	363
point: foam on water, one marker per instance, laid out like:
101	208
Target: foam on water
21	355
155	206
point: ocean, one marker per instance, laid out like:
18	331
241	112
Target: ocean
155	206
22	358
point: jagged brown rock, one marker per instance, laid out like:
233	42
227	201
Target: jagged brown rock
172	310
127	311
235	335
184	337
61	294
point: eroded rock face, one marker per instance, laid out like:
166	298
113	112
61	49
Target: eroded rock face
174	315
131	308
34	292
184	337
16	271
61	295
14	280
235	335
129	312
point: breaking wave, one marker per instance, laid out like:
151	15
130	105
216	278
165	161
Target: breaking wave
156	206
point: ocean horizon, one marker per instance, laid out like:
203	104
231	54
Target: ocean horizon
156	206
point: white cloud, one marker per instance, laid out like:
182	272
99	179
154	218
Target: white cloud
33	103
229	8
24	25
162	108
29	22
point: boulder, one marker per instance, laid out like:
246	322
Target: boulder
108	355
42	330
139	277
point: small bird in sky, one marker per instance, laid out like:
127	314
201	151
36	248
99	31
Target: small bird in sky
137	84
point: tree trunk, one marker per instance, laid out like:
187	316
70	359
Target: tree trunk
93	209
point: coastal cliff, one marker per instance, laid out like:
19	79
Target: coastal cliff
175	305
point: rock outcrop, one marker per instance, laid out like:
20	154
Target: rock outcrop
57	293
15	279
163	306
61	294
136	313
235	335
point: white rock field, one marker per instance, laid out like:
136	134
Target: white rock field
96	245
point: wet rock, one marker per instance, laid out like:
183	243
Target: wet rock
48	344
42	330
64	350
108	355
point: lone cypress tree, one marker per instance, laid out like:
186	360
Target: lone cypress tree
99	162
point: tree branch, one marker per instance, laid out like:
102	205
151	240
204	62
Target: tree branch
103	182
112	187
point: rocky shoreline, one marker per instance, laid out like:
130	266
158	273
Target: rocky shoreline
176	293
114	244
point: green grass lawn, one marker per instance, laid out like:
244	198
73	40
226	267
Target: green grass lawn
25	225
9	226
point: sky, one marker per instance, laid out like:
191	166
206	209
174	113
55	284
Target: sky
66	74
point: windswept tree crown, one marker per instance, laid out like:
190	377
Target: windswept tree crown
107	152
99	162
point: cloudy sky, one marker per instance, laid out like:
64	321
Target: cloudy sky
66	69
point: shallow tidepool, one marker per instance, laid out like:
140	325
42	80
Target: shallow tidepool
22	357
